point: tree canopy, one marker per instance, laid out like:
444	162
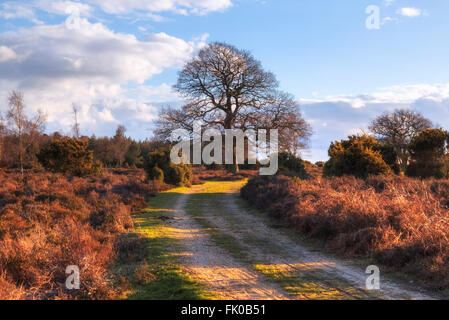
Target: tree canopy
397	129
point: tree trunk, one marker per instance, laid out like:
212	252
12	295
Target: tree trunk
234	168
21	154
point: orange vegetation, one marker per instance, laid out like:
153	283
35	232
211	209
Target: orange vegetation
49	222
402	223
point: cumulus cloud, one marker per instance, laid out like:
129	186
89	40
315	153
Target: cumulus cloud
400	94
199	7
143	9
409	12
6	54
334	118
94	67
17	10
61	7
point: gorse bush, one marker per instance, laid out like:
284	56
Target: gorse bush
291	164
172	174
359	156
429	154
157	174
320	164
69	156
397	221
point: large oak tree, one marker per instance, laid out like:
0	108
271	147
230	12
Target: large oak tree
227	88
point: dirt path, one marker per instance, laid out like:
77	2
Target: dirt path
237	253
215	268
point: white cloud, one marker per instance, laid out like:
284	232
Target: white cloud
92	52
93	67
336	117
15	10
409	12
60	7
400	94
389	2
389	20
144	9
7	54
199	7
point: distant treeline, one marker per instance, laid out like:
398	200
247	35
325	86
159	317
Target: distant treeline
116	151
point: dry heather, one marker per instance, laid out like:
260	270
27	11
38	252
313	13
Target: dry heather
48	222
402	223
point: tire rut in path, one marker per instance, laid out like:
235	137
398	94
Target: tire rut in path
213	267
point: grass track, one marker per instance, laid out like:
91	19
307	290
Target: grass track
171	283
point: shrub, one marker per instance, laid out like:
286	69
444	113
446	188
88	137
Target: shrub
320	164
157	174
429	154
69	156
173	174
389	155
143	275
358	156
291	164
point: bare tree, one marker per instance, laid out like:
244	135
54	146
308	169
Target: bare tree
76	126
2	136
227	88
24	128
397	129
120	144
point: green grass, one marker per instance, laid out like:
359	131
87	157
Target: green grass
152	227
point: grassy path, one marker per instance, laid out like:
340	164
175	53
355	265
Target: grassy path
206	243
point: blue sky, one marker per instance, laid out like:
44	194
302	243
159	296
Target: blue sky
118	64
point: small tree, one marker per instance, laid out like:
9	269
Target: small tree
429	152
76	125
2	136
291	164
173	174
69	156
120	145
157	174
356	156
397	129
132	156
19	124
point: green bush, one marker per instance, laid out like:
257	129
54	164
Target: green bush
320	164
158	174
429	154
291	165
358	156
69	156
180	175
389	155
